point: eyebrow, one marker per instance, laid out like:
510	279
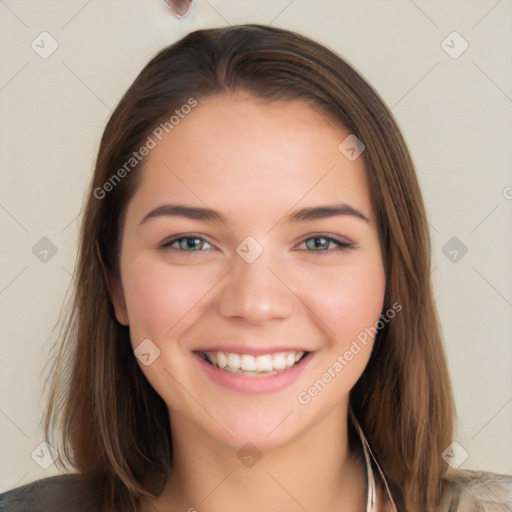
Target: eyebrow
207	214
322	212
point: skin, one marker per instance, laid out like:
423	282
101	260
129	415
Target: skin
255	162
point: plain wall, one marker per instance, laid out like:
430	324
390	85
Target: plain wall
455	114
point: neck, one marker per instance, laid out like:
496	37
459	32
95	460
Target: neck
315	471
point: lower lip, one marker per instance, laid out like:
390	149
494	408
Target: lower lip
253	385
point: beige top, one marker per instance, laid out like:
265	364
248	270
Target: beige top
468	491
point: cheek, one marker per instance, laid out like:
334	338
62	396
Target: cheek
158	298
348	300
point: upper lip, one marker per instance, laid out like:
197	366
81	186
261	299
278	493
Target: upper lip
258	351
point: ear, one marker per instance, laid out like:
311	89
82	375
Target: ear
118	302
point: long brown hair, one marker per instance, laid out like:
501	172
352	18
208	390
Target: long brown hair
114	427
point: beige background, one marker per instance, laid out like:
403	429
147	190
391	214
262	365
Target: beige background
455	114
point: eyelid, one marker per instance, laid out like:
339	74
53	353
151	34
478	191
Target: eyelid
341	244
166	244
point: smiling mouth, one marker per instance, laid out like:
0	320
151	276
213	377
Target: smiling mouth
253	366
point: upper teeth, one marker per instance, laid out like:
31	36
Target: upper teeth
248	363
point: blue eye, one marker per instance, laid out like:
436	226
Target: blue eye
322	244
185	243
313	244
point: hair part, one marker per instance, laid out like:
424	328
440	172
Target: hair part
99	398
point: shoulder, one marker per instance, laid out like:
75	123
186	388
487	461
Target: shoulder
68	493
477	491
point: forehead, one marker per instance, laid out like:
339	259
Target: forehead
237	153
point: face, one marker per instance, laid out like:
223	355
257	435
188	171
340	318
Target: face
280	280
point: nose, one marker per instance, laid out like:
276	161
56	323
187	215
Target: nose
255	292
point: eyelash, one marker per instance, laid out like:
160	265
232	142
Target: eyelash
340	245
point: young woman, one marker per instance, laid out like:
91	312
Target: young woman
253	326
